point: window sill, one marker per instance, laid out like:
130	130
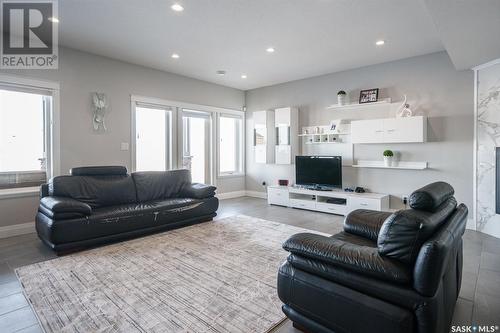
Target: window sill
19	192
231	175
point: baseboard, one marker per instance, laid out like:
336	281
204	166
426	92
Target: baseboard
230	195
255	194
239	194
17	229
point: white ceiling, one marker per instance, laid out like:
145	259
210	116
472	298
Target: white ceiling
311	37
469	30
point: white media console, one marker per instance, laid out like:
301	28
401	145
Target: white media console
296	197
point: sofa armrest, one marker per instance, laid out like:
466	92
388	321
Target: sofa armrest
361	259
365	223
198	191
63	205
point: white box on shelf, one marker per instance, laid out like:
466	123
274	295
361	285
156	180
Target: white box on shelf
389	130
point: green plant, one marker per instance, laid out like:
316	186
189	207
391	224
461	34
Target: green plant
388	153
341	92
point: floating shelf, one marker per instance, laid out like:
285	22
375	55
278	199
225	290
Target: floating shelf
319	134
397	165
384	101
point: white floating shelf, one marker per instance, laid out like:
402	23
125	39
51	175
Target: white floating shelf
358	105
319	134
325	143
396	165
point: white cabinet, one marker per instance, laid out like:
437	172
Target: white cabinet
367	131
278	195
287	129
263	136
321	200
389	130
362	202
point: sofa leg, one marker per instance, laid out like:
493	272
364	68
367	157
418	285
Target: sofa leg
299	327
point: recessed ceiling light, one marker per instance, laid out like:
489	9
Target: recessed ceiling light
175	56
54	19
221	72
177	8
243	76
270	49
380	42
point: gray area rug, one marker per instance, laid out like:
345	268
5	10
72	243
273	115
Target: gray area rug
212	277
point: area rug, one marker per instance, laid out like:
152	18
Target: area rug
212	277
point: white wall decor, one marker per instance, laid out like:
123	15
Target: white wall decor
488	139
100	104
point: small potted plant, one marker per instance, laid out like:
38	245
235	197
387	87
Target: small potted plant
341	97
388	157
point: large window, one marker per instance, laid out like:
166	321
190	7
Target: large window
24	136
170	135
153	137
230	144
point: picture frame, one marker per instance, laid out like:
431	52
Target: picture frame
368	96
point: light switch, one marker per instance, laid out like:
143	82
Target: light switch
124	146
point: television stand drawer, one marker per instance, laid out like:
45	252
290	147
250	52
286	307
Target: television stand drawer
303	204
331	208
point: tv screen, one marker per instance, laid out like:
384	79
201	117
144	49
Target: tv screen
319	171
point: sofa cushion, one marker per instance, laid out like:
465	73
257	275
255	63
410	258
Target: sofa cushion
115	220
96	191
404	232
158	185
198	191
431	196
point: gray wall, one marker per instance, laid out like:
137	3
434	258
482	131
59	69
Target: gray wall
434	88
79	74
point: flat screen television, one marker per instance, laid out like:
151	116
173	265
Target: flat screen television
318	171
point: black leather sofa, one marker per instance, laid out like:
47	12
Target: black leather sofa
385	272
96	205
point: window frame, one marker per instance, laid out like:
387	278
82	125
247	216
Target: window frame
51	122
177	148
170	121
240	143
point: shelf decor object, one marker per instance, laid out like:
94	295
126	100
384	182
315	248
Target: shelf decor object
388	157
368	96
404	110
341	97
402	165
348	106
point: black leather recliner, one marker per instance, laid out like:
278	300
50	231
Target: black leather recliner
385	272
96	205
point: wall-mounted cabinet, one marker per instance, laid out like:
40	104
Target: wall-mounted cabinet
263	136
287	126
389	130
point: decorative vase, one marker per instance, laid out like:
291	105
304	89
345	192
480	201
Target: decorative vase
341	99
388	161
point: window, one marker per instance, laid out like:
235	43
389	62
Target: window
197	145
25	136
230	144
153	137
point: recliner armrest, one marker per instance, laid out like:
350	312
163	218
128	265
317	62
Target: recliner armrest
365	223
65	206
361	259
198	191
